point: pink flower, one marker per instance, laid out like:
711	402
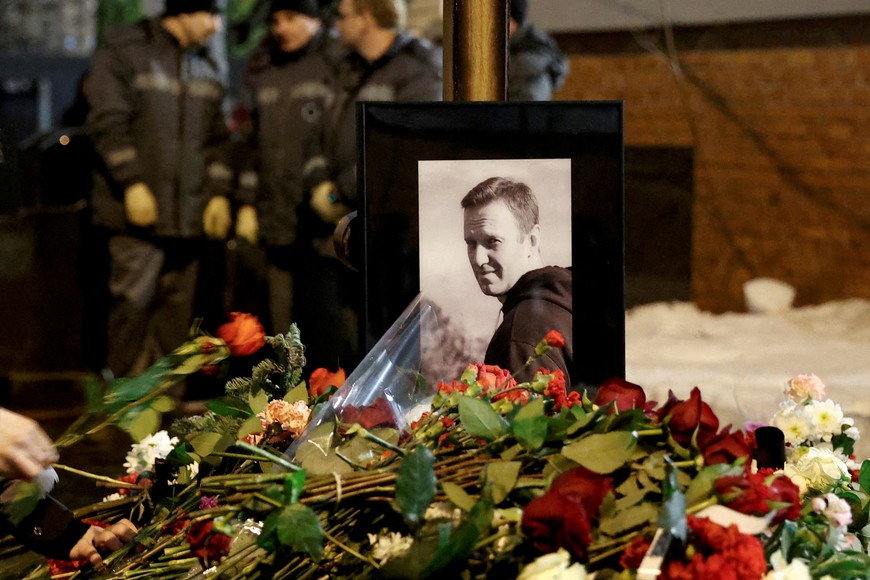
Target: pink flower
803	387
293	418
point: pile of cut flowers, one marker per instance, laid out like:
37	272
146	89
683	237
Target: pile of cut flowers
482	476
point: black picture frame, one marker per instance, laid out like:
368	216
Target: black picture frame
396	137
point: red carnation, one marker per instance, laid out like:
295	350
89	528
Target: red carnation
243	334
555	339
627	395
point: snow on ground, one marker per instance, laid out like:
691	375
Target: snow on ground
741	362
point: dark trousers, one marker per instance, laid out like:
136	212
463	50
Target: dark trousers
152	284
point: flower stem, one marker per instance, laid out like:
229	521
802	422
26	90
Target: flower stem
349	550
101	478
268	456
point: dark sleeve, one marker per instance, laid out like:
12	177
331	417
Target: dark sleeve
111	98
426	83
50	529
216	150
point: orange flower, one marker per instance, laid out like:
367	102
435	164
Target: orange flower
321	379
555	339
243	334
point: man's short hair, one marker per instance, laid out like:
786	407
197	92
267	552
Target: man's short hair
176	7
515	194
390	14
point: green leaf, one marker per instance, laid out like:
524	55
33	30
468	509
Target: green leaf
295	526
163	404
416	484
864	476
230	407
500	478
702	486
457	495
205	443
140	422
602	452
297	393
480	419
627	519
179	456
293	486
460	544
251	425
530	425
258	401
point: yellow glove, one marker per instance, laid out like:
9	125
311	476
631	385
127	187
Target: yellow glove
216	217
247	226
140	205
324	204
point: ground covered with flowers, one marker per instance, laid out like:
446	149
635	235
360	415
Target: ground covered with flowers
480	476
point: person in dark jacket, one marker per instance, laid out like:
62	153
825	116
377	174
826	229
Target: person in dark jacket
49	529
385	63
503	241
156	123
536	66
291	84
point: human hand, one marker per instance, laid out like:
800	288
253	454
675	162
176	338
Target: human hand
216	217
140	205
247	226
25	449
98	539
323	202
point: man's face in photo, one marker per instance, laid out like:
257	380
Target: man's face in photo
498	250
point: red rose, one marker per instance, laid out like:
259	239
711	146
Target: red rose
321	379
747	493
369	416
587	486
554	521
784	491
689	418
243	334
555	339
207	544
727	447
634	553
627	395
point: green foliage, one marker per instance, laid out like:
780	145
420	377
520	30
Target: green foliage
602	452
460	544
416	484
479	419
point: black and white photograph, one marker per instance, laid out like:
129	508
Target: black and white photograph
469	309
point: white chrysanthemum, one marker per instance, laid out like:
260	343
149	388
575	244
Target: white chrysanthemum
391	545
815	468
443	510
554	566
113	497
827	418
143	454
797	569
795	423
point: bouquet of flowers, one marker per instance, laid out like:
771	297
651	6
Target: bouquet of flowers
384	475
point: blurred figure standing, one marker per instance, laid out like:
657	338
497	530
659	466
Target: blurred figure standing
536	66
291	84
385	64
157	126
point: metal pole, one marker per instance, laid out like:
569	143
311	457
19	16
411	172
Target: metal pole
475	50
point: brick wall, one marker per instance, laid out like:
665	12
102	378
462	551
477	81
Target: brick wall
778	116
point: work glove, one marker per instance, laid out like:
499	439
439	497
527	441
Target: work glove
216	217
325	204
140	205
247	227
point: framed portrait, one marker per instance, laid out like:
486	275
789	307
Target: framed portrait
417	163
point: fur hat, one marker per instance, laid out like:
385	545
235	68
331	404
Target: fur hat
175	7
307	7
519	11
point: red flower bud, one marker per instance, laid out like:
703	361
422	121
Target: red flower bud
243	334
555	339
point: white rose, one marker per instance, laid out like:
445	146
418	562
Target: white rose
815	468
782	570
555	566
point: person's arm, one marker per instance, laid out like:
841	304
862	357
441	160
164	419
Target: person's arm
25	449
